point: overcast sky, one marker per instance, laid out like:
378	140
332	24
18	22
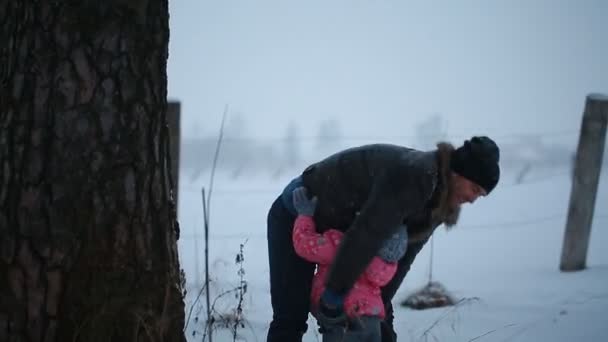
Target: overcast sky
380	67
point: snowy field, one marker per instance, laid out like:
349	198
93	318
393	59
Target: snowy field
502	259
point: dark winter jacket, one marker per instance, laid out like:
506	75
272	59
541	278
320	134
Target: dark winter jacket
367	192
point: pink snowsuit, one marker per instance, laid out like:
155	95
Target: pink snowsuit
365	298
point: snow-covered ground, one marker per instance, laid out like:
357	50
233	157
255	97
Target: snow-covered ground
503	256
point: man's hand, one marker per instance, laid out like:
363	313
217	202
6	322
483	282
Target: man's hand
331	309
303	205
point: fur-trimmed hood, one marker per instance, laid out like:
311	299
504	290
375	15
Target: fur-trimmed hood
443	212
422	226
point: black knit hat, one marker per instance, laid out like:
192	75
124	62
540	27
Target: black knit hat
477	160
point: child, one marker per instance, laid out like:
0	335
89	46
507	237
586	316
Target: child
363	305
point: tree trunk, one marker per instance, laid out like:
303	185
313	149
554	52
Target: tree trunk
88	230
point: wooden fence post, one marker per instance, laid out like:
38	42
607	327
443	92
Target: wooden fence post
587	168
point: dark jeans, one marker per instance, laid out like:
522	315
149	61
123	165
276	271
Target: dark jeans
386	326
291	276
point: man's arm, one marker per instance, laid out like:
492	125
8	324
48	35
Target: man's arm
394	195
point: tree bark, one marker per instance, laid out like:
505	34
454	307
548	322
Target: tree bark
88	229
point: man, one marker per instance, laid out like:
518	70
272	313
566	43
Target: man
367	192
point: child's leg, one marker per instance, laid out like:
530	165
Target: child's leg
364	329
333	334
374	330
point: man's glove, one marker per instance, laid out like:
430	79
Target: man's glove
303	205
331	309
394	247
